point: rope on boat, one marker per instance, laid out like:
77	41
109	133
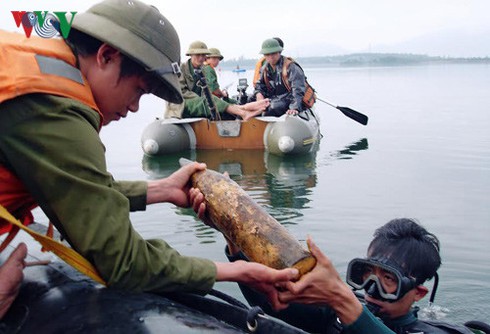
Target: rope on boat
227	298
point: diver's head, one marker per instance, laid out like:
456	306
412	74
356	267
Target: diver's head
408	244
400	258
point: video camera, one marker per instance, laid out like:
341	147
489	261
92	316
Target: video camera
242	91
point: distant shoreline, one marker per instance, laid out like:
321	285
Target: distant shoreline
362	60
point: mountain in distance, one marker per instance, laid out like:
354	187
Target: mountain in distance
315	49
442	47
447	43
362	59
444	43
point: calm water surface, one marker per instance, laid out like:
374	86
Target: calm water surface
425	154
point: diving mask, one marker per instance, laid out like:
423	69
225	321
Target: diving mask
380	278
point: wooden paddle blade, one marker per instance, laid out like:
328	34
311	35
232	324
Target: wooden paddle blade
355	115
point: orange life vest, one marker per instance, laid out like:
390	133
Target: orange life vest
38	65
34	65
258	66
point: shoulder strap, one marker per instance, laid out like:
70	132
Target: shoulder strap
193	74
287	61
265	77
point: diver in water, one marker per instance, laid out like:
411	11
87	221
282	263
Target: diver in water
401	257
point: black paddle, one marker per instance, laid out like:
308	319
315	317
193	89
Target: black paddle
355	115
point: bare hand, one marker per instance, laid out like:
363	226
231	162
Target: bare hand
323	286
11	275
292	112
175	188
316	287
198	204
259	277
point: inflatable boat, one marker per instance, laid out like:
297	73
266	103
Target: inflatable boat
285	135
55	298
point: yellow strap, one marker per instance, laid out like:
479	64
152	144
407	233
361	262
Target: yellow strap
68	255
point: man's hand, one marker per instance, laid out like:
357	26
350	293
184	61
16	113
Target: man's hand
11	275
259	277
175	188
323	286
199	205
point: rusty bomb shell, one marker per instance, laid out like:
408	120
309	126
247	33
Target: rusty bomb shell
235	214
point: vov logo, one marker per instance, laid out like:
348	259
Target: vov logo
45	24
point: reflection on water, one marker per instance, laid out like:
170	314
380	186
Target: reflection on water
427	158
289	183
282	185
274	182
351	150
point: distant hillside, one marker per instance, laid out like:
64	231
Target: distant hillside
361	59
469	42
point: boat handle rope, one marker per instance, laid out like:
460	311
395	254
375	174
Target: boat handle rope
227	298
69	255
252	313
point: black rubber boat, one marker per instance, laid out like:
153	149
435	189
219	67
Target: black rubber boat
56	298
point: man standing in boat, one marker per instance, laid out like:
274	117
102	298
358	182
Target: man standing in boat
281	80
55	95
198	100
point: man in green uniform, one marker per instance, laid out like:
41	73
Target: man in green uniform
209	69
198	100
54	97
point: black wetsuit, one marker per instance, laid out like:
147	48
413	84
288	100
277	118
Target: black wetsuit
322	319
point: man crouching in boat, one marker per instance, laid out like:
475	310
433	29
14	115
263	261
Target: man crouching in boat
198	98
281	80
55	95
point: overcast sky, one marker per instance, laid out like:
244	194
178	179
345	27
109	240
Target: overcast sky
313	27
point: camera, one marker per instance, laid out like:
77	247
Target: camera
242	91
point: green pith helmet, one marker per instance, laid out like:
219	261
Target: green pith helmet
140	32
215	53
270	45
197	48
